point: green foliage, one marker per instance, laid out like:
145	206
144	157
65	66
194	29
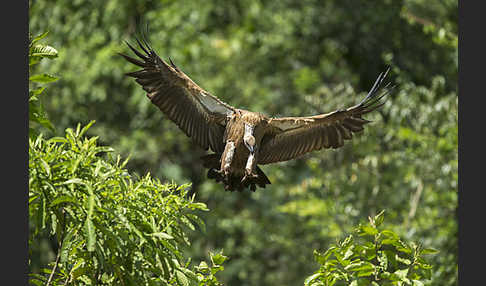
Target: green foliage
372	256
109	228
282	58
206	274
37	52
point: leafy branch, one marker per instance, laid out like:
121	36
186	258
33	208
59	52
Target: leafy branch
371	256
37	52
110	228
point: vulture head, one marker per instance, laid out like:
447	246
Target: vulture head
249	139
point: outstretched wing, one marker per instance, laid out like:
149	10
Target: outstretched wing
291	137
199	114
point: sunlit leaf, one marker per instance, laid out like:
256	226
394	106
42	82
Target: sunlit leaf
43	51
312	278
39	37
63	199
218	258
43	78
162	235
429	251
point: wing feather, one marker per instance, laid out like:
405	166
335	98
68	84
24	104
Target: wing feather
347	135
197	113
326	137
320	138
291	137
334	137
352	127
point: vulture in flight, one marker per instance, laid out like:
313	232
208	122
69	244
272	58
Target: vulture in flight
241	139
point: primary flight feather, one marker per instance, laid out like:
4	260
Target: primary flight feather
241	139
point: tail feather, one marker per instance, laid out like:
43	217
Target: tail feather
262	179
211	161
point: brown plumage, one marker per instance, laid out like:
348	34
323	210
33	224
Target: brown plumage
242	139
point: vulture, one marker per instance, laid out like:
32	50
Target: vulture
241	139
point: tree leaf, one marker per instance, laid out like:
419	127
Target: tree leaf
417	283
89	234
63	199
43	51
43	78
43	213
74	181
218	258
198	221
379	218
328	253
360	266
37	91
88	225
402	274
46	167
348	252
162	235
368	230
187	222
32	198
85	128
429	251
311	278
389	234
39	37
402	260
66	245
181	278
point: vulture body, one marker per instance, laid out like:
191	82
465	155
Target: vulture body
241	139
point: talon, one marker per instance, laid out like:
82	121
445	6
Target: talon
226	175
250	175
244	178
212	174
226	179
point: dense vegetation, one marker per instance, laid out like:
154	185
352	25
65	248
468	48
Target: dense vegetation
108	228
376	257
280	58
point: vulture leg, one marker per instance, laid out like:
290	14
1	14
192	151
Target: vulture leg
227	158
250	166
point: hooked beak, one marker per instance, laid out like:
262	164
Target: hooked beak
250	147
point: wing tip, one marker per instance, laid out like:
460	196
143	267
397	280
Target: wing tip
132	60
373	97
173	65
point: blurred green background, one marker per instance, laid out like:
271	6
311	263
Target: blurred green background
281	58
